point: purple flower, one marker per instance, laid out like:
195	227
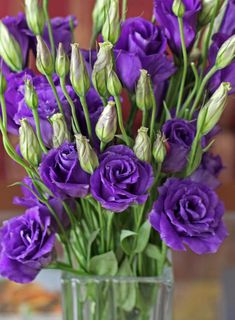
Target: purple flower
166	18
142	46
26	245
19	29
61	173
226	74
228	23
121	179
209	171
180	135
189	213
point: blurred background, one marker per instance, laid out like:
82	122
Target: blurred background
205	286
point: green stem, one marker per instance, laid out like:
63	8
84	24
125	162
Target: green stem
87	117
64	267
124	9
102	146
163	258
50	80
109	231
132	115
145	118
153	119
72	106
202	87
38	130
120	120
4	111
208	37
102	229
185	66
50	32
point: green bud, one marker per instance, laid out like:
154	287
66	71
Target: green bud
34	16
44	60
144	91
10	49
111	28
30	95
29	145
114	84
207	11
86	155
142	147
210	114
78	72
106	126
178	8
102	67
3	83
99	14
62	63
159	148
226	53
60	130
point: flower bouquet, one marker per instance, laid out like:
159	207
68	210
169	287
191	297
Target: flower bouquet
114	198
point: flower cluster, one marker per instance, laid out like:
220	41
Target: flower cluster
92	182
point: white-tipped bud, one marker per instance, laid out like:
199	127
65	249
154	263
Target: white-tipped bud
159	148
142	147
106	126
114	84
144	91
178	8
78	72
99	14
210	114
111	28
10	49
29	145
62	63
60	130
30	95
87	156
226	54
207	11
35	16
44	60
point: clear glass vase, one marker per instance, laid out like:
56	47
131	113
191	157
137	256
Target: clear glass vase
117	298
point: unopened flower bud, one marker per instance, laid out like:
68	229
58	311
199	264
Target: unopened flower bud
30	95
35	16
60	130
78	72
106	126
99	14
114	84
207	11
159	148
178	8
44	60
3	83
29	145
210	114
226	53
102	66
111	27
144	91
142	147
10	49
62	62
86	155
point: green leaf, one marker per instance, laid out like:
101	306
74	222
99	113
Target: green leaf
104	265
143	237
127	240
153	252
125	291
92	238
167	112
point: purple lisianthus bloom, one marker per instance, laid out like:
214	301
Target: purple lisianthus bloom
26	246
228	23
223	75
209	171
61	172
180	135
142	45
167	19
121	179
189	213
47	106
20	31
